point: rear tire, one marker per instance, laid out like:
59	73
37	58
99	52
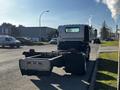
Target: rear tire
75	63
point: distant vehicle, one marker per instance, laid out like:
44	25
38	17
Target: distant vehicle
35	39
97	41
6	40
24	40
109	39
53	41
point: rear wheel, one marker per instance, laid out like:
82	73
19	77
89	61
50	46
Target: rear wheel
75	63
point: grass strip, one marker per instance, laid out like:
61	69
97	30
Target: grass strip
109	43
106	78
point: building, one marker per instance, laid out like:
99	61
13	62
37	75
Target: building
37	33
34	33
6	29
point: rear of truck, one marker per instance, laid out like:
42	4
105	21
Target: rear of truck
73	53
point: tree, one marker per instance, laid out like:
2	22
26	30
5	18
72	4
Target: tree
15	32
105	31
6	28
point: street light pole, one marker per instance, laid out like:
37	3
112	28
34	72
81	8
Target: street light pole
41	16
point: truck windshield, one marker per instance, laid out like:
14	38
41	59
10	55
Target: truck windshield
72	29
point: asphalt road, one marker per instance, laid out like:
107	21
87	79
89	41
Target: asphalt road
11	78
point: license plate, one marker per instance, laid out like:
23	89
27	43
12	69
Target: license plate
33	62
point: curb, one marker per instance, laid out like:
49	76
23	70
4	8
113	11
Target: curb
93	76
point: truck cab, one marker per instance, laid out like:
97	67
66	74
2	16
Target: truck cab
74	36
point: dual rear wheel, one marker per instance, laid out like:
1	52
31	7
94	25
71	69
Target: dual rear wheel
75	63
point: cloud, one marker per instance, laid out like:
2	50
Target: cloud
90	20
113	6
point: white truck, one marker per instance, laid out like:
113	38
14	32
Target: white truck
6	40
72	54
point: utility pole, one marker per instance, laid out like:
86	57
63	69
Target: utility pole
118	79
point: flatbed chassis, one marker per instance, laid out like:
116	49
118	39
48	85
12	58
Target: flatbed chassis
42	63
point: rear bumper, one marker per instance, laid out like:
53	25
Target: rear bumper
29	72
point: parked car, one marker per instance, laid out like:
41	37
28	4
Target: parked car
53	41
97	41
6	40
25	41
109	39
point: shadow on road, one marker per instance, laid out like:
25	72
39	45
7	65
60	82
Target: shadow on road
58	82
65	82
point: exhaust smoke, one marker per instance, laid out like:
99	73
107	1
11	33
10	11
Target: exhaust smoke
113	6
90	20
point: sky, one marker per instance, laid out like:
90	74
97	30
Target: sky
27	12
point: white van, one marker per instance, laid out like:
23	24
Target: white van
6	40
